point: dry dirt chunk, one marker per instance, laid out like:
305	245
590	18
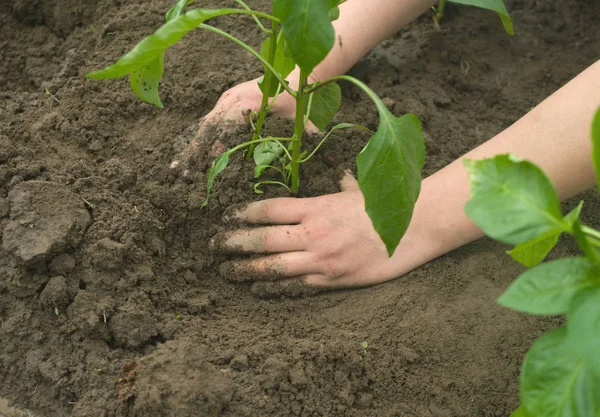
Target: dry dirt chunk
55	294
107	254
133	329
176	381
45	219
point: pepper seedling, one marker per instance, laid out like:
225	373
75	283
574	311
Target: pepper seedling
514	202
299	33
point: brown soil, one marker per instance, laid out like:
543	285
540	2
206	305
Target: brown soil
110	301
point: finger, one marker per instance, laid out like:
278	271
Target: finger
284	210
269	268
310	128
348	182
275	239
304	286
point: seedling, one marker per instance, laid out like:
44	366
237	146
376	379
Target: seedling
493	5
299	34
364	345
514	202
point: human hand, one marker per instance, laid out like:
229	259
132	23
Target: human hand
310	245
230	111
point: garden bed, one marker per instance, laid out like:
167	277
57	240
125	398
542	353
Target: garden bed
111	303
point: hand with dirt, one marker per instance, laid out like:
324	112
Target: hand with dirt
231	110
328	242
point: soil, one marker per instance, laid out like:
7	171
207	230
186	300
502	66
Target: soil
111	303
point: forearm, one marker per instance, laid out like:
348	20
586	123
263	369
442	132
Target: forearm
361	26
555	135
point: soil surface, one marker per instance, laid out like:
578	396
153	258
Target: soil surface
111	303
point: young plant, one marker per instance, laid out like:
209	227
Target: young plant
514	202
299	34
493	5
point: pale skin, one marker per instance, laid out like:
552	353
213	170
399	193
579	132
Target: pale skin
329	242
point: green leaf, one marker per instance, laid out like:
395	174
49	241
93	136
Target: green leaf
495	6
282	64
326	102
556	380
585	243
389	174
177	9
153	46
334	14
267	152
307	30
596	146
144	81
259	169
219	165
520	412
583	325
549	287
513	201
534	251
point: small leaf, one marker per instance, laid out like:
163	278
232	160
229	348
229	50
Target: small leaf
267	152
596	146
585	243
495	6
177	9
144	81
325	104
307	30
334	14
389	174
534	251
549	287
583	325
219	165
513	201
283	64
556	380
259	169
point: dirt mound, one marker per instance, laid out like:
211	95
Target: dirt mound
111	303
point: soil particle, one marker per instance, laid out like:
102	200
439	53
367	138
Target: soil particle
62	264
107	254
55	293
45	219
133	329
176	381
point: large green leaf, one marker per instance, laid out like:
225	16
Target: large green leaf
549	287
596	145
513	201
556	381
149	48
267	152
325	104
307	30
389	174
584	325
283	64
495	6
533	252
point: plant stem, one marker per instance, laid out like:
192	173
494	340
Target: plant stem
268	81
440	12
253	52
258	22
301	104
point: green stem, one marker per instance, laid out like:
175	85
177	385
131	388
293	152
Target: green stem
440	12
268	81
253	52
590	232
301	103
258	22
